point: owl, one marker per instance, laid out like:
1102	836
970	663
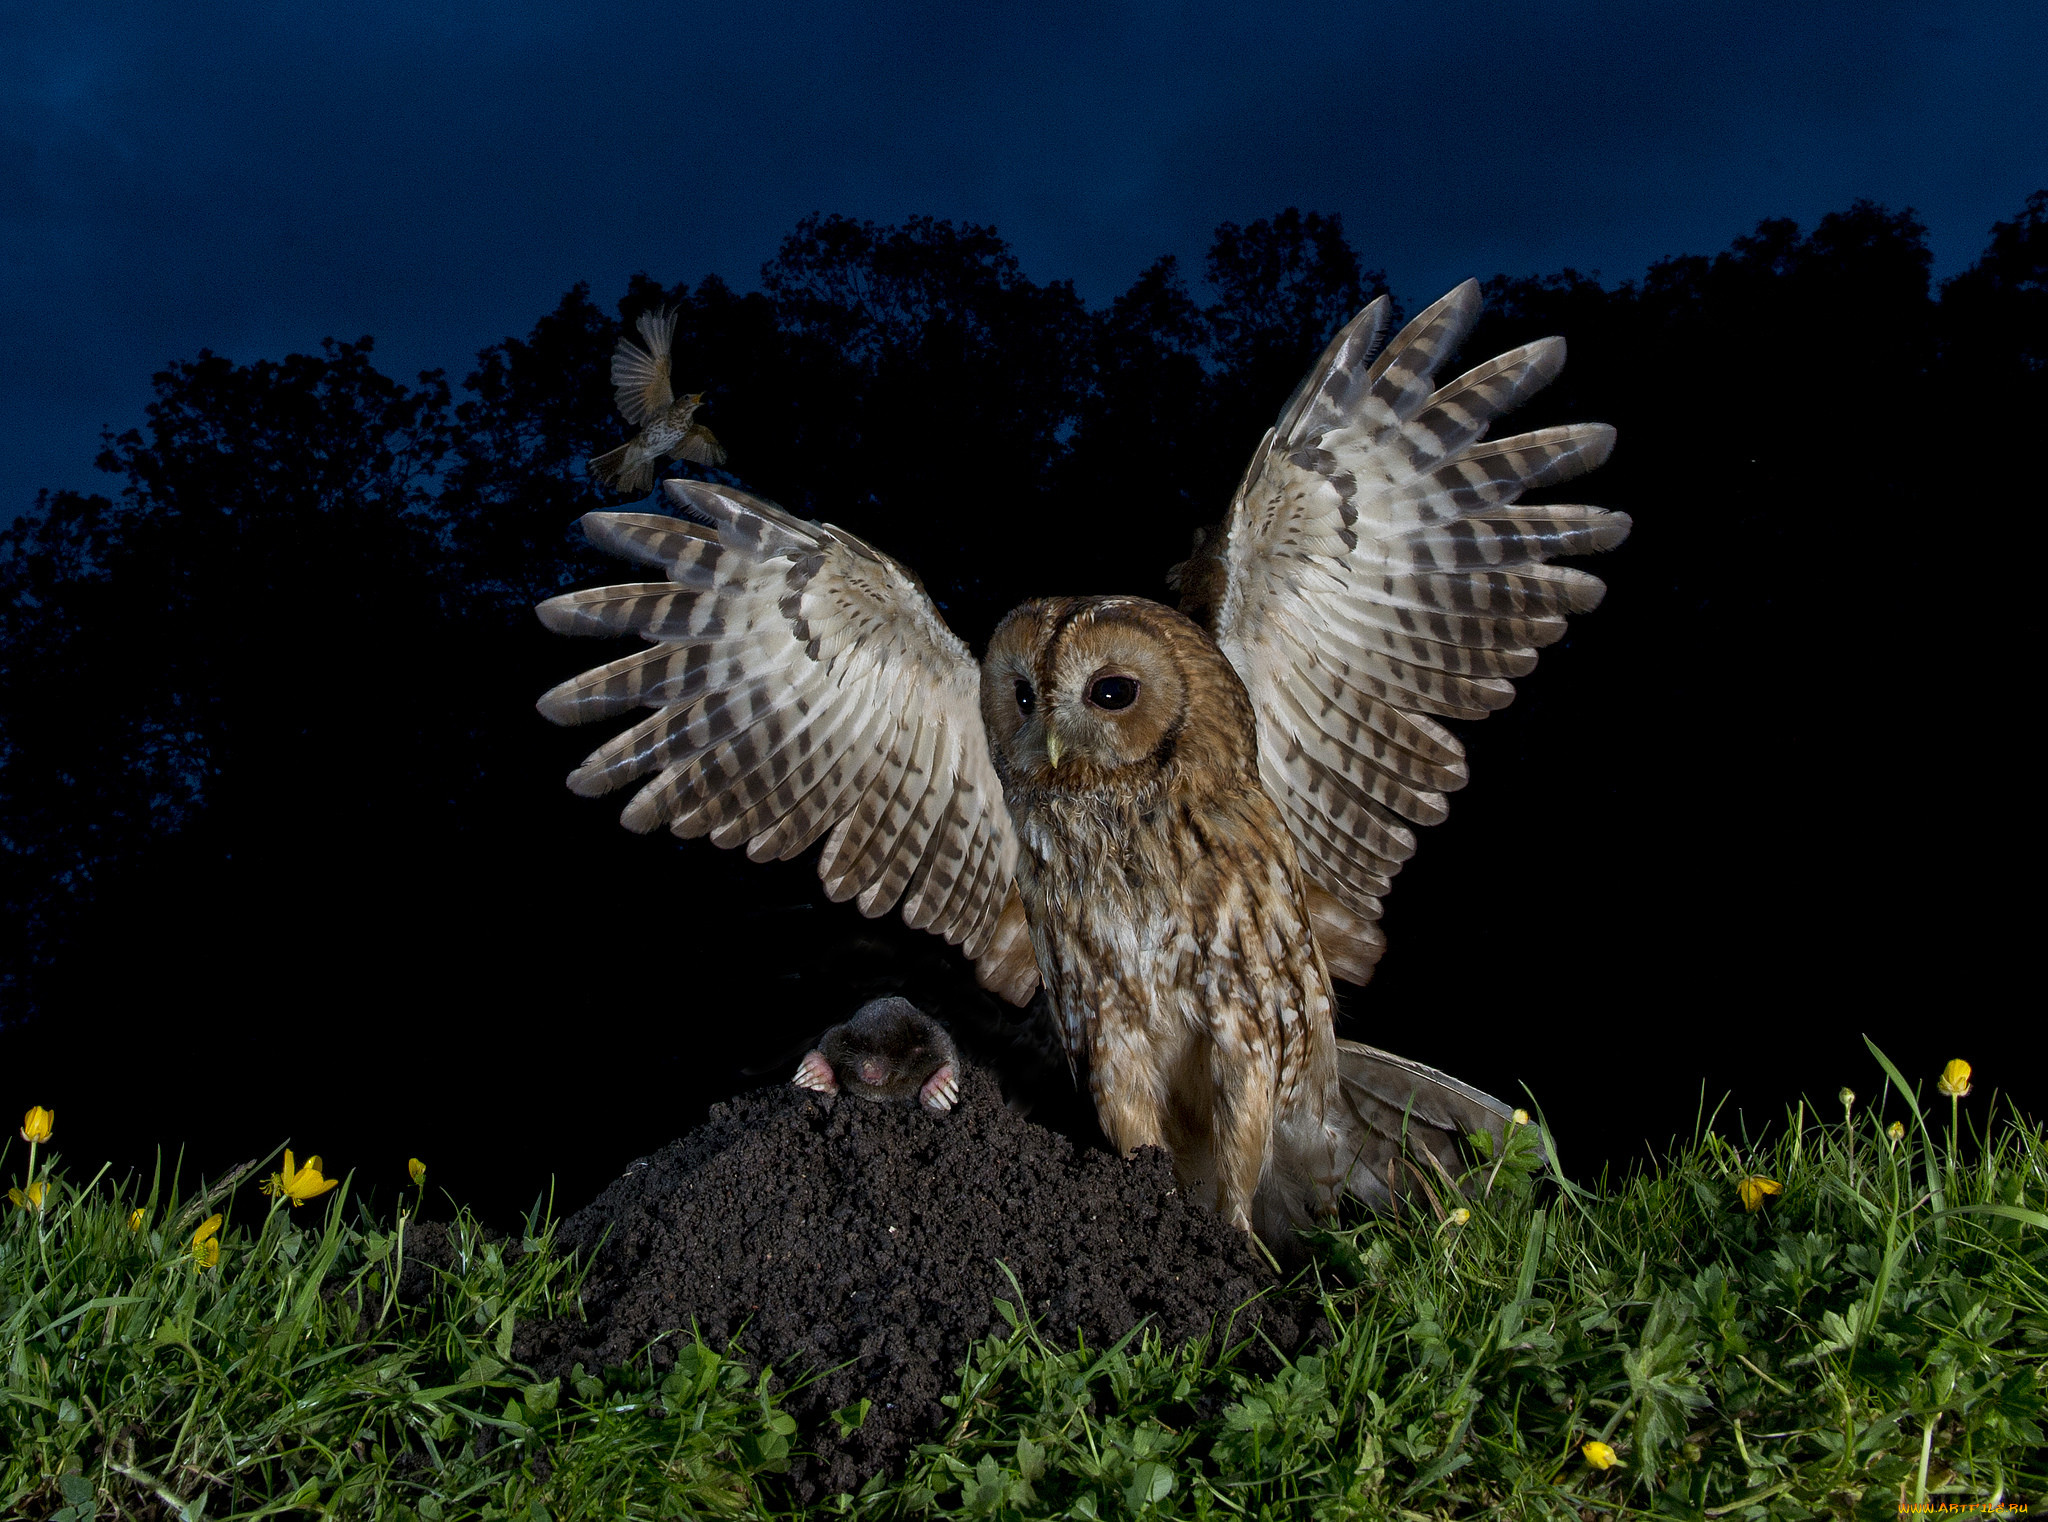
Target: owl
640	383
1180	822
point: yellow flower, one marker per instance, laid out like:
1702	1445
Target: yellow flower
1460	1216
1600	1456
37	1125
135	1219
32	1197
299	1184
1754	1188
204	1246
1955	1079
1896	1131
1521	1117
417	1169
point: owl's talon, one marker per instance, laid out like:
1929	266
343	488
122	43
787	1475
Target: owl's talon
941	1091
815	1073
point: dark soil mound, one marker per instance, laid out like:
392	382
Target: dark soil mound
827	1233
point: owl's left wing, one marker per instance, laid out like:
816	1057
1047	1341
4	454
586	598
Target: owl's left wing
803	686
1377	573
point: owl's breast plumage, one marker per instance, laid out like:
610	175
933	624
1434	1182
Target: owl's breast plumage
1172	929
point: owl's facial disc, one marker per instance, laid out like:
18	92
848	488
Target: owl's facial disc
1115	692
1012	708
1077	689
1106	692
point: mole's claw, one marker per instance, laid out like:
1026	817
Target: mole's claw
941	1091
815	1073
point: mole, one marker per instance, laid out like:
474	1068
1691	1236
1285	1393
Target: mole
889	1050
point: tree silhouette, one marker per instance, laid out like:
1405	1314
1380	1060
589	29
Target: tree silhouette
1994	315
189	664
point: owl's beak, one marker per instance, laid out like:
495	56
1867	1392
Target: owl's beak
1052	746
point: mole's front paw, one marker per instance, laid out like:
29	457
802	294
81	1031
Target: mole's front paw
815	1073
941	1091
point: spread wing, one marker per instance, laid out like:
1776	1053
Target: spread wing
1376	574
640	376
700	446
803	687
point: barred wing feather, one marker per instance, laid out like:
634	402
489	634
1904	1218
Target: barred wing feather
803	687
1377	574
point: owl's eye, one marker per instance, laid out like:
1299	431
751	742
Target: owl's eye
1114	692
1026	699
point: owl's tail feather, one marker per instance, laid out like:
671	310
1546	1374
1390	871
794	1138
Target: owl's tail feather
1396	1116
1396	1125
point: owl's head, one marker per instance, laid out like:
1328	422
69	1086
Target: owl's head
1080	693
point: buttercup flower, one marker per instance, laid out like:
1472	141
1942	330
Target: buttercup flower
1955	1079
1599	1455
1521	1117
1896	1132
1460	1216
417	1169
37	1125
135	1219
1754	1188
32	1197
298	1184
1847	1096
205	1249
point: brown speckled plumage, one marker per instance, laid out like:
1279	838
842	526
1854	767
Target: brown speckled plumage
1185	855
1166	905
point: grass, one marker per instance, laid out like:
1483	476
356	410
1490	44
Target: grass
1869	1339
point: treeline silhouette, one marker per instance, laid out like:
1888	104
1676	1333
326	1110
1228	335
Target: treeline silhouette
286	849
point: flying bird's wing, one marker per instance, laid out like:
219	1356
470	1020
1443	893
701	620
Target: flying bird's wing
1375	574
701	447
803	686
640	376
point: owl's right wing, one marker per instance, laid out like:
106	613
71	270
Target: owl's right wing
803	686
640	376
1376	574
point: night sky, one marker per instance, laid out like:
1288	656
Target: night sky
253	178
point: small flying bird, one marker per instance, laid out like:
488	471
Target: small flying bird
640	382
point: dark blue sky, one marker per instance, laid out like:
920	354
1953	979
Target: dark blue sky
251	178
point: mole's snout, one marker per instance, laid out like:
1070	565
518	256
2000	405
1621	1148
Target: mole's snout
873	1071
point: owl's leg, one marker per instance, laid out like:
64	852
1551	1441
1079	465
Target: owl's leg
1125	1078
1242	1076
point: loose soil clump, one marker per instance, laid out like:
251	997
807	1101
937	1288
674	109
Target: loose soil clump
824	1232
